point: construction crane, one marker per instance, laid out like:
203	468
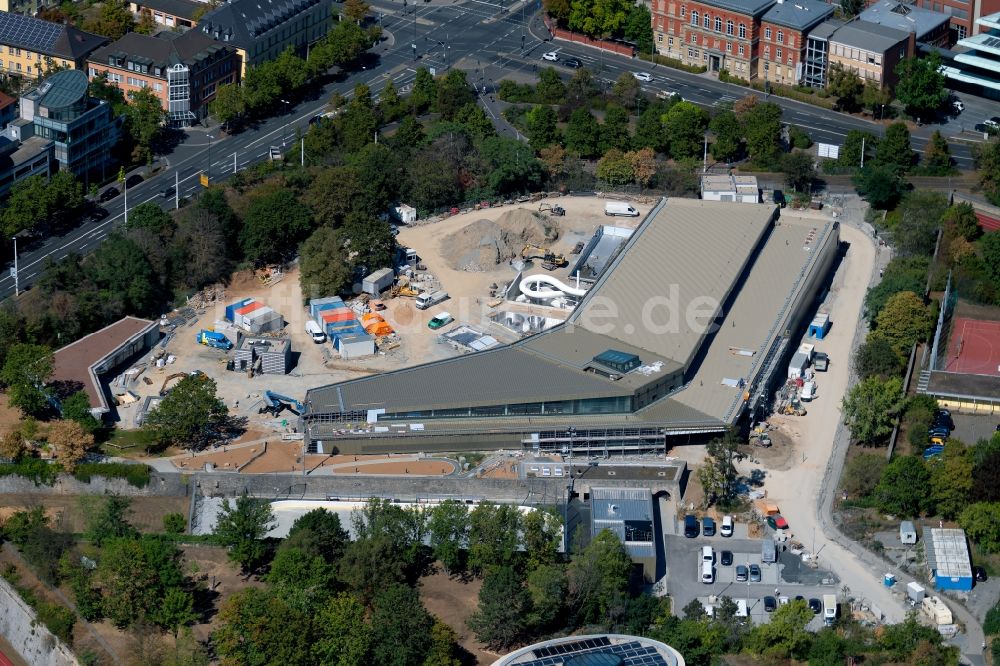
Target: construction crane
550	260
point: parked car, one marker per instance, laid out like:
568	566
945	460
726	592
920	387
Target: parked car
815	605
932	451
108	194
645	77
726	558
770	604
777	522
707	573
742	573
754	573
133	180
707	526
979	574
726	529
690	526
993	123
573	63
958	105
551	56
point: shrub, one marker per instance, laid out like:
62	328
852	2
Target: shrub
992	624
42	472
136	475
174	523
673	62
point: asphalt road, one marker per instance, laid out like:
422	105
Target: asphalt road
486	40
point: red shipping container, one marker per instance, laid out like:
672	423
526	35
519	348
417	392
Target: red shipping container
337	315
247	309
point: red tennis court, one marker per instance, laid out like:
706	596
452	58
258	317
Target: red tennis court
974	347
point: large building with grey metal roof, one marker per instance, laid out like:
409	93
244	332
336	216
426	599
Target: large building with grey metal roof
681	334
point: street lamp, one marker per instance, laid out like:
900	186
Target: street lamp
284	130
17	285
208	169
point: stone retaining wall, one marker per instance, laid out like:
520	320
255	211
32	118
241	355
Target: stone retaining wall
32	640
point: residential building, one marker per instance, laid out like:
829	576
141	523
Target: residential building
260	30
718	34
963	14
728	187
23	159
26	7
83	128
29	46
976	68
170	13
784	28
928	27
183	71
8	109
870	50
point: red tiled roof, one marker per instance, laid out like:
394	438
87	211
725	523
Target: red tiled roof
988	222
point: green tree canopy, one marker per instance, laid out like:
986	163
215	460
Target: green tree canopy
762	130
110	521
904	321
499	620
448	527
921	86
799	170
319	532
870	407
242	527
981	521
582	133
323	271
259	627
493	536
880	185
902	490
25	373
550	88
686	124
846	86
951	480
894	150
190	415
784	636
876	357
728	137
401	627
987	156
598	580
344	635
273	226
937	156
144	118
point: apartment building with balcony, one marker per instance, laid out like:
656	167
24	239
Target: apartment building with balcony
976	68
184	71
784	30
260	30
29	47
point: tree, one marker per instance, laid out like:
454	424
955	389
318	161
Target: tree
319	532
686	123
273	216
344	636
649	130
514	166
449	532
960	221
110	521
424	91
176	611
723	454
614	131
902	490
643	164
862	474
639	28
784	636
981	522
550	88
547	587
302	579
846	86
987	156
356	10
114	20
937	156
189	415
728	137
894	148
875	357
800	171
582	133
44	204
493	535
242	527
870	408
228	105
875	98
855	143
921	86
401	628
762	130
989	246
499	620
76	407
100	88
12	445
542	130
128	584
902	274
454	92
258	627
174	523
880	185
71	442
443	650
542	533
25	373
557	8
120	269
920	214
951	480
615	169
323	269
626	90
904	321
851	8
145	117
598	580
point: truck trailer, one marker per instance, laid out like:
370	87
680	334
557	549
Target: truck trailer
428	299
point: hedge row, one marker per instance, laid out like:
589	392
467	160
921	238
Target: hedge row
45	473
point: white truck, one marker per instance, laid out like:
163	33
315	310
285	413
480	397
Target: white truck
428	299
315	332
620	208
829	608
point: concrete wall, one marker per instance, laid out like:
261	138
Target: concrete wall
31	639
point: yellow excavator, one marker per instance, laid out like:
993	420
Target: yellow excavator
403	288
550	260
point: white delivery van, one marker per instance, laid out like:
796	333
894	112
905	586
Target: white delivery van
707	554
620	208
315	332
809	391
829	608
727	526
707	574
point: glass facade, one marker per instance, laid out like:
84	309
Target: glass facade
612	405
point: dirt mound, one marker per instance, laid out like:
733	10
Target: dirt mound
484	244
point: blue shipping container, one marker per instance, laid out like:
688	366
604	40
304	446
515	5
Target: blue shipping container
231	309
318	304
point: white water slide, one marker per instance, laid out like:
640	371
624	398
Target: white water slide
530	287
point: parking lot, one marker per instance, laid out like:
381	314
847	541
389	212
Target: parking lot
788	577
970	428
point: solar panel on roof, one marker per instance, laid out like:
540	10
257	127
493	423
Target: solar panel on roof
992	41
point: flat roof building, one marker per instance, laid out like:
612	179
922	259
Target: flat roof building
595	650
948	559
976	67
928	26
870	50
82	364
170	13
704	294
628	513
742	189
